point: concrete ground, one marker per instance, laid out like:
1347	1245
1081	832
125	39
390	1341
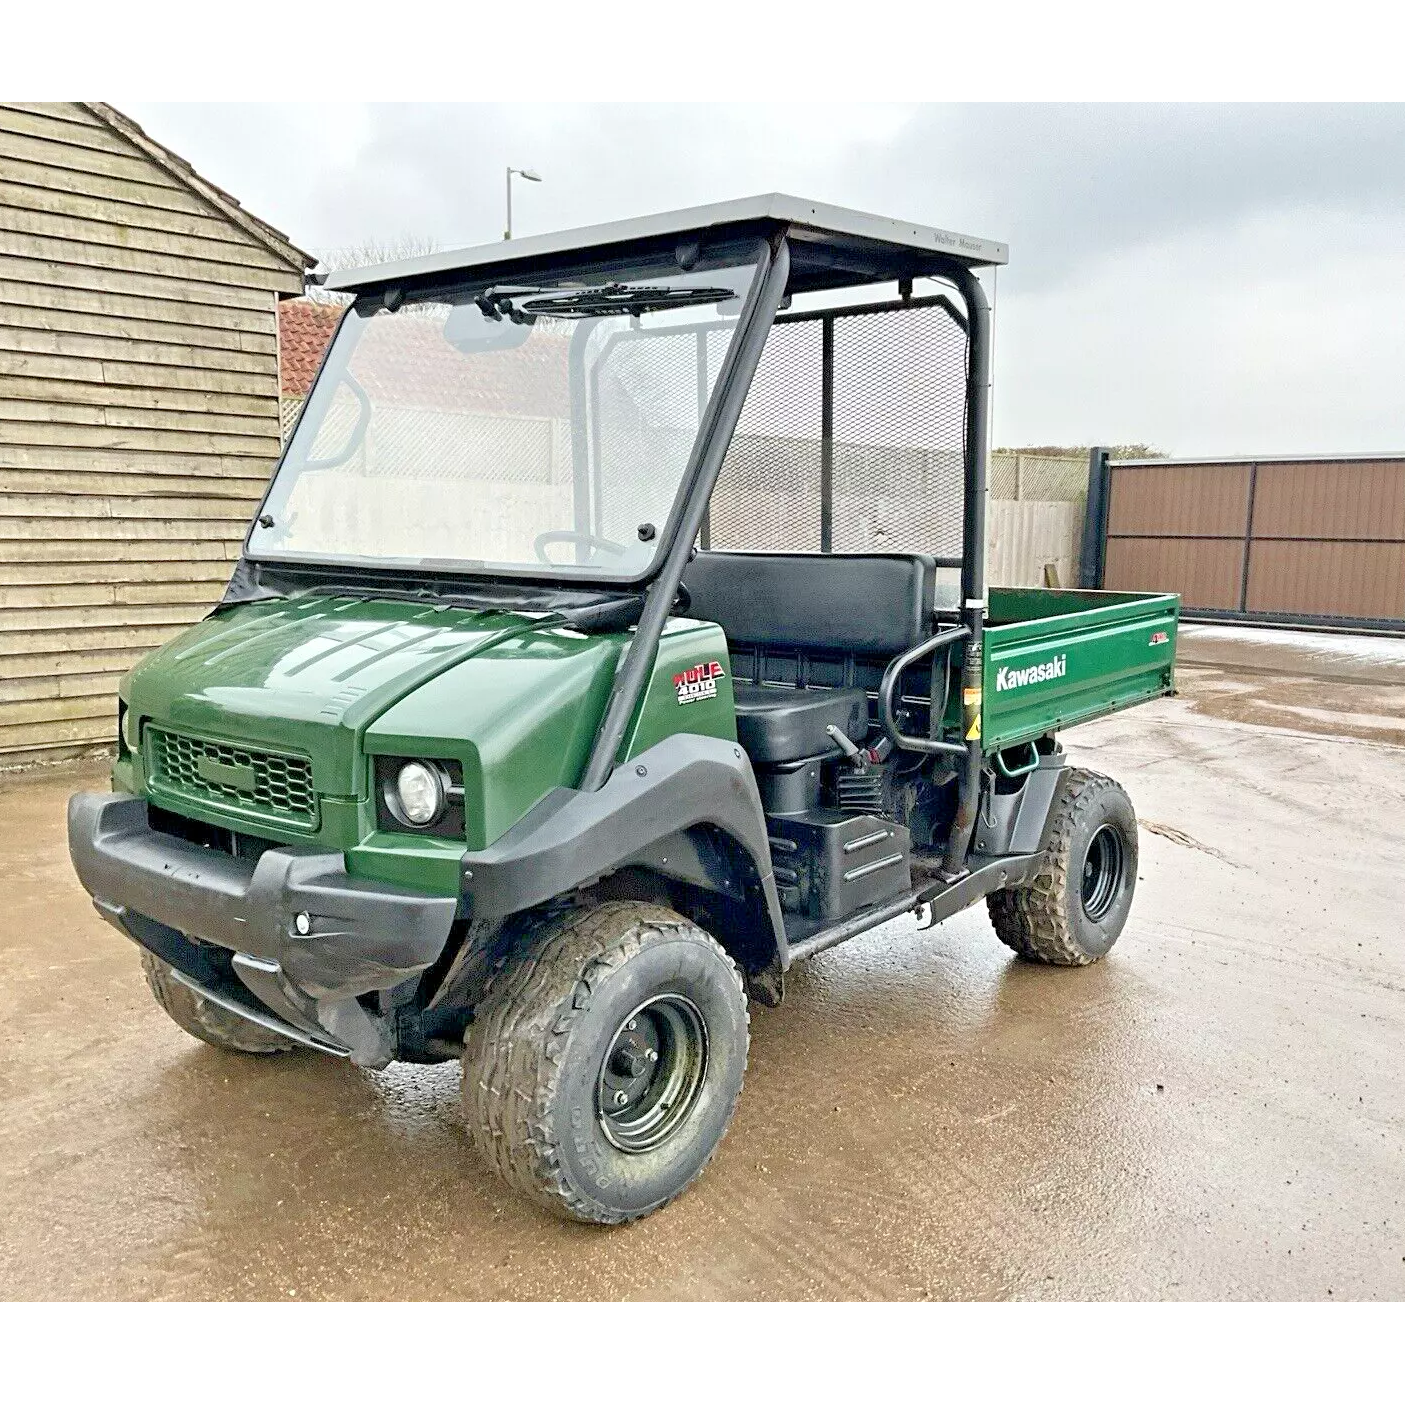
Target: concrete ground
1216	1111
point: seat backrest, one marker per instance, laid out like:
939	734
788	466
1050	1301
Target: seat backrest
859	605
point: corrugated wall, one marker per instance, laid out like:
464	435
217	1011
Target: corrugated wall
1028	540
138	414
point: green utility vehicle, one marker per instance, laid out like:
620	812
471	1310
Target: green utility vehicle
614	634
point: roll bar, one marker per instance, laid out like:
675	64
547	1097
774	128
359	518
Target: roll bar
710	448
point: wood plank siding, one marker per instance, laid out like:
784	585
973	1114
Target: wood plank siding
139	408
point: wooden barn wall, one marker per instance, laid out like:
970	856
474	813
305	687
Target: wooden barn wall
138	415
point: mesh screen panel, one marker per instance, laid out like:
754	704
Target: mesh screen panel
894	453
767	496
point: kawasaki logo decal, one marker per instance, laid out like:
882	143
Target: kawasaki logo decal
1009	678
699	682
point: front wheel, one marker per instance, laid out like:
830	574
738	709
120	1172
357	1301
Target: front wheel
603	1066
1074	908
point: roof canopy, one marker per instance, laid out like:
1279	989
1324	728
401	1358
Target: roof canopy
831	247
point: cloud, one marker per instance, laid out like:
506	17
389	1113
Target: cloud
1203	277
1282	334
1068	184
338	175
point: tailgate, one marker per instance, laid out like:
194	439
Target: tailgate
1059	657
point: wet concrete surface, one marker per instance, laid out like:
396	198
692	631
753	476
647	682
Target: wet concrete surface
1346	685
1363	658
1214	1111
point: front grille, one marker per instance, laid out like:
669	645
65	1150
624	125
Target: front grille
261	784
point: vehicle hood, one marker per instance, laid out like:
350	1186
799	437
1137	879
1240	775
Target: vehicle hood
308	675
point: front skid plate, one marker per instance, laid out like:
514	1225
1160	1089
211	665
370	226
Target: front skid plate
261	1017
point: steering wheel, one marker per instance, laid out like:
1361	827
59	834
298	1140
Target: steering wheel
358	430
589	539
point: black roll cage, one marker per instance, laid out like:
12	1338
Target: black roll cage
695	492
655	594
715	437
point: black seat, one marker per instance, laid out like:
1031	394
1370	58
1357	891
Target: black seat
847	615
874	605
777	725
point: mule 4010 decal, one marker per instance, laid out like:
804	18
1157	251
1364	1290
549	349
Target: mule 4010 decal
698	682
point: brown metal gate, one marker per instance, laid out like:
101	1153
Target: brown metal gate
1288	541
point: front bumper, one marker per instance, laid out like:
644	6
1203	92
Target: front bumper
163	891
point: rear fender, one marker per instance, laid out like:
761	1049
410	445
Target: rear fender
1018	821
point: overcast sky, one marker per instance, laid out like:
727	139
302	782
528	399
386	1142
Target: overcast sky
1206	279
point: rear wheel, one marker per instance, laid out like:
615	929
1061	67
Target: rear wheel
604	1064
1074	908
206	1020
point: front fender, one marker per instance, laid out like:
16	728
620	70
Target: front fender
573	837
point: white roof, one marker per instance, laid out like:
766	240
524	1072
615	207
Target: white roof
809	220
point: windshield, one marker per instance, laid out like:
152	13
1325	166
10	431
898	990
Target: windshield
534	428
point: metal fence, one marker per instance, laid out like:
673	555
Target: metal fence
1016	476
289	408
1318	541
1034	519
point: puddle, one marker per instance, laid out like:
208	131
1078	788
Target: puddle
1370	710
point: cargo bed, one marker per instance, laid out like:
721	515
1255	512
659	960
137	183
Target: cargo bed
1057	657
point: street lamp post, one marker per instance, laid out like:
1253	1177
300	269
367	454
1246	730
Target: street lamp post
527	175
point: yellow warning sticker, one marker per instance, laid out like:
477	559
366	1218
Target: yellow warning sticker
971	702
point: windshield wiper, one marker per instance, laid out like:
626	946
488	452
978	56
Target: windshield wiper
611	300
616	298
497	303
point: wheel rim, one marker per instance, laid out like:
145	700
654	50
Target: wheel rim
1103	870
652	1073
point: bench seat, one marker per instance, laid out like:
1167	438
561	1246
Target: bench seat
777	725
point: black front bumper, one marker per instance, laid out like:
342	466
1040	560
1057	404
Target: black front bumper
163	892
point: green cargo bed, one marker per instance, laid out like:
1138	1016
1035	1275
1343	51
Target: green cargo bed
1057	657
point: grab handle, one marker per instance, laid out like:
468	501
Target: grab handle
891	676
1013	772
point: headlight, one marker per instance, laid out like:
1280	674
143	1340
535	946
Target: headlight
127	726
419	792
